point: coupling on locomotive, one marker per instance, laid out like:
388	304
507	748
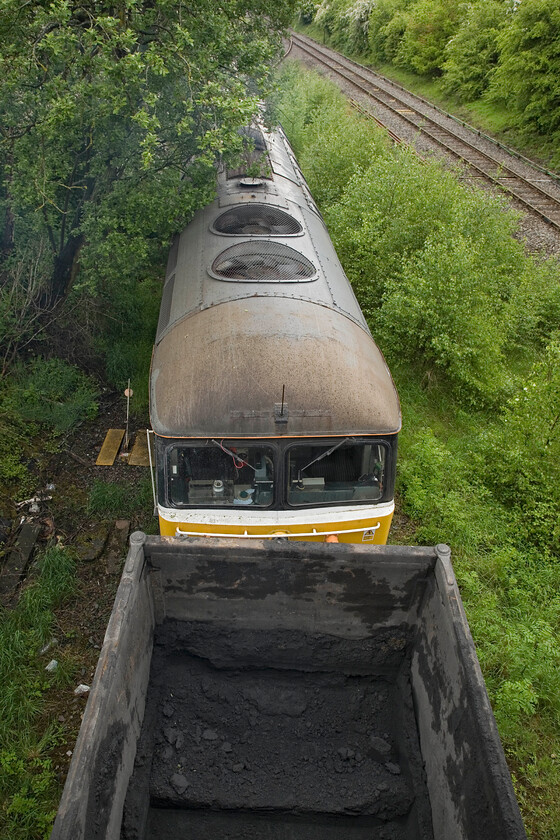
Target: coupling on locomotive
273	410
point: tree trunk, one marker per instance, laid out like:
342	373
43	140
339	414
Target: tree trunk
65	269
7	242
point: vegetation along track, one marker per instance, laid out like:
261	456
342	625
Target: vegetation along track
537	189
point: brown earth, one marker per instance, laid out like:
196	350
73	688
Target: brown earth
99	545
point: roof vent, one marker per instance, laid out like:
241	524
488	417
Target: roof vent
254	134
256	220
264	262
251	183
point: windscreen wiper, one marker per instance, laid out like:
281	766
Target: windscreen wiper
323	455
236	459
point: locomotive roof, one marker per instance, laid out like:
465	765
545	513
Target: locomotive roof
221	373
244	315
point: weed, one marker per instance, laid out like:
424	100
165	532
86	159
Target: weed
29	789
109	499
54	393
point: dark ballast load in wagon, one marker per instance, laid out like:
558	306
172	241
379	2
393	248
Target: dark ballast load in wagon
287	691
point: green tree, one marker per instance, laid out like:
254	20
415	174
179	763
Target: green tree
430	25
528	75
387	25
472	53
112	117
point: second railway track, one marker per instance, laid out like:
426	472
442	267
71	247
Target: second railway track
501	168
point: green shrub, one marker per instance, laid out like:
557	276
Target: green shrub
307	12
309	94
53	393
15	443
429	26
445	307
387	25
523	453
471	56
528	73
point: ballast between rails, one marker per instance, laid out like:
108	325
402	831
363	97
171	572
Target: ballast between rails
511	182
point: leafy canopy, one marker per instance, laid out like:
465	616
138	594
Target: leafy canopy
112	117
528	75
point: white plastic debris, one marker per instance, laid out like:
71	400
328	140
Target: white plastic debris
81	689
48	646
52	666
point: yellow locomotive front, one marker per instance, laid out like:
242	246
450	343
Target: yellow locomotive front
273	410
299	488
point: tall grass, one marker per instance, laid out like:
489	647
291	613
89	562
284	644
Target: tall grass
29	789
110	499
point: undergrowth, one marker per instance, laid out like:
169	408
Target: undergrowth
53	393
110	499
468	323
40	397
29	790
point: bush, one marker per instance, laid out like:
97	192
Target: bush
309	95
387	25
528	74
53	393
429	26
445	308
472	54
523	453
307	12
436	270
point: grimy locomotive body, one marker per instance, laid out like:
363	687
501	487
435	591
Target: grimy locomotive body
273	410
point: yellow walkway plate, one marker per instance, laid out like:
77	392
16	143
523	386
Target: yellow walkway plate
139	456
110	448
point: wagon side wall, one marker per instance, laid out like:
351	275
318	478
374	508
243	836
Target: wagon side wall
468	780
93	797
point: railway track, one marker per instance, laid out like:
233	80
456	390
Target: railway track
417	114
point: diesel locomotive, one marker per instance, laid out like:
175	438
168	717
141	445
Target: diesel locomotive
274	413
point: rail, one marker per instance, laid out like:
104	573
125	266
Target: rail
496	171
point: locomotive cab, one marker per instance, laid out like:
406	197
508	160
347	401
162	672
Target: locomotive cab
274	484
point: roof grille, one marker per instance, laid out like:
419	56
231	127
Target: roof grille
266	262
256	220
251	132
